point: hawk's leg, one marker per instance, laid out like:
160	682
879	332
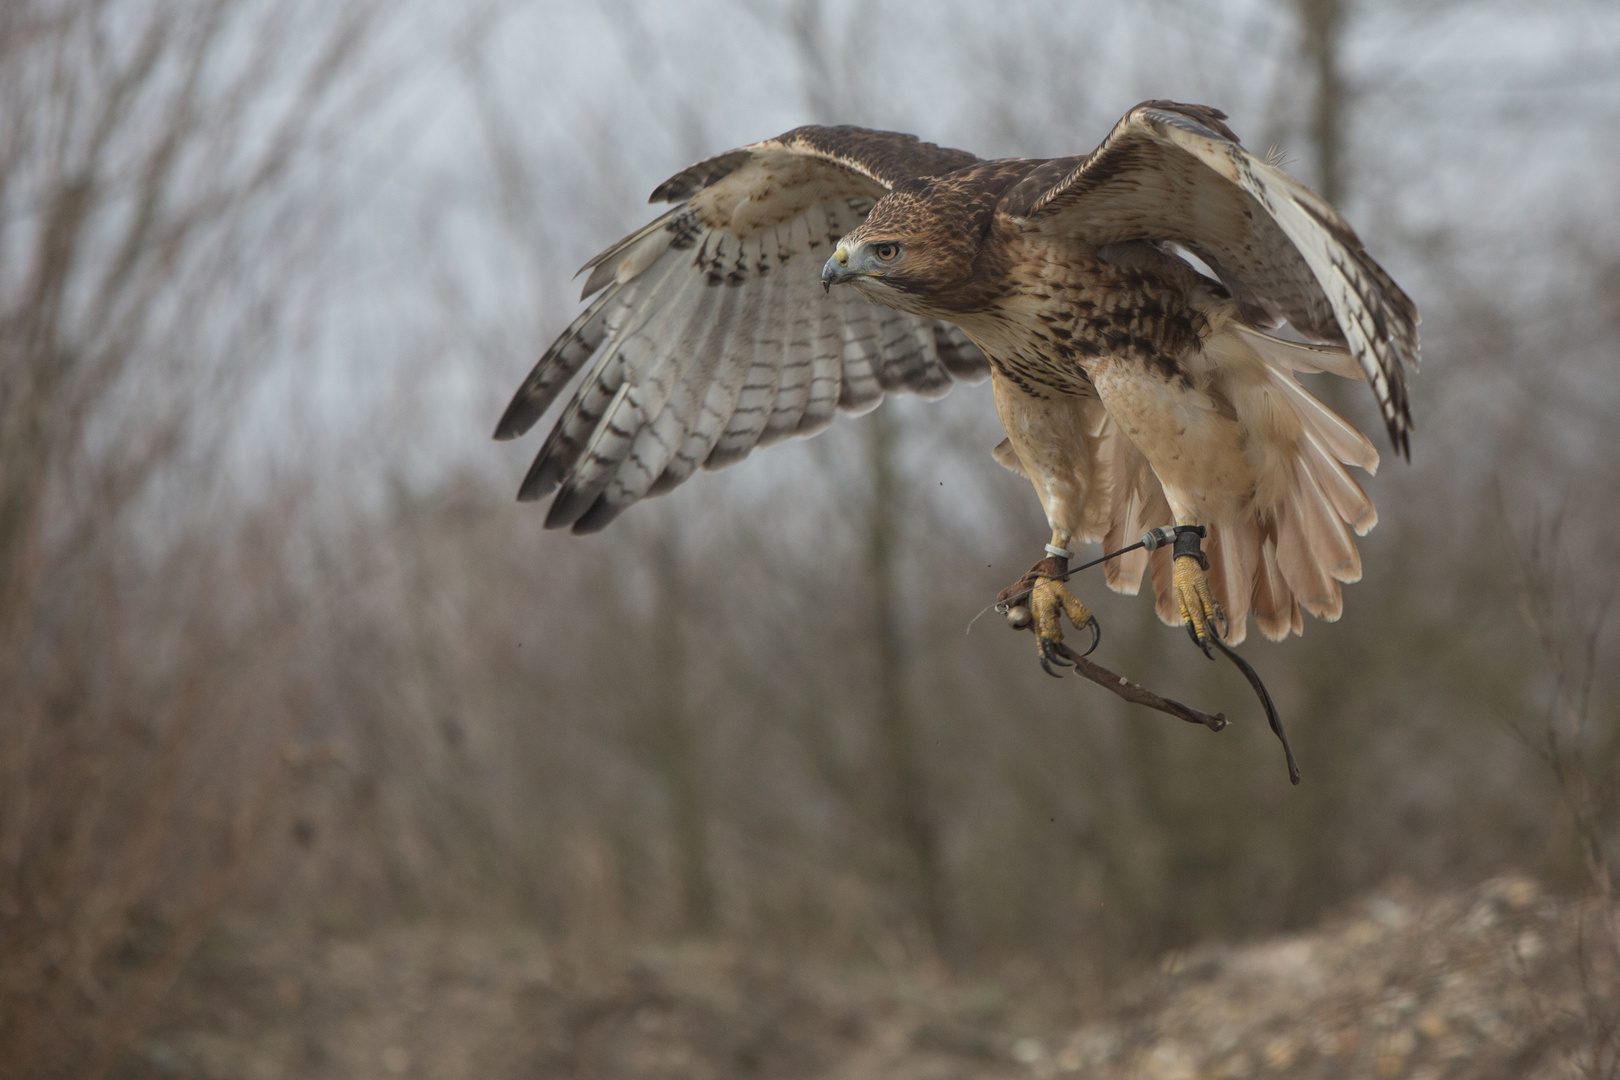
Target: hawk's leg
1052	441
1200	613
1047	601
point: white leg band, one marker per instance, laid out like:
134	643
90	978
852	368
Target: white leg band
1061	553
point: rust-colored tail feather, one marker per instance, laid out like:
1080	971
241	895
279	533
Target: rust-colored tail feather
1277	561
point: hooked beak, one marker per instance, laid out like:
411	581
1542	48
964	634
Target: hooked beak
837	270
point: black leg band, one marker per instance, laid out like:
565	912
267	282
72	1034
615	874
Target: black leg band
1187	543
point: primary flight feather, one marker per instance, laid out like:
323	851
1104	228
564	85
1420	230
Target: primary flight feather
1136	391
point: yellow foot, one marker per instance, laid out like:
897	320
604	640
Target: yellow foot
1049	599
1036	601
1199	611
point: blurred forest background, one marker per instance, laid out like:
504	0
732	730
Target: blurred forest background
278	646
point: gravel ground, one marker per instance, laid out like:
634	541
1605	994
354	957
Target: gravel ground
1480	985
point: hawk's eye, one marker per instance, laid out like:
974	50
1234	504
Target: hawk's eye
887	251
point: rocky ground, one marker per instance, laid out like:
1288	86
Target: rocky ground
1480	985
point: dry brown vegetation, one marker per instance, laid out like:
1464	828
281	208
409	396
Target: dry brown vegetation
1480	984
299	709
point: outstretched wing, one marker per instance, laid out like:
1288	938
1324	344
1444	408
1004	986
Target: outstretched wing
1170	172
710	334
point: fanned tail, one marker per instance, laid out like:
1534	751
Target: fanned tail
1280	560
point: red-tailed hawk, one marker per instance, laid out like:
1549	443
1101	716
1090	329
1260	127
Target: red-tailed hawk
1136	390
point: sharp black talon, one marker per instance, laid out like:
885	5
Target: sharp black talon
1198	641
1096	634
1049	657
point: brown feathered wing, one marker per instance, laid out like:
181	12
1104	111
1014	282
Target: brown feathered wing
1170	172
709	333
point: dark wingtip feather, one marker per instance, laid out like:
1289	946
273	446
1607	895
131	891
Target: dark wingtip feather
565	509
1399	426
514	421
539	481
574	504
598	517
553	370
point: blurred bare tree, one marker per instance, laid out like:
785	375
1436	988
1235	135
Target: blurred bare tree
1321	33
156	202
1577	738
896	790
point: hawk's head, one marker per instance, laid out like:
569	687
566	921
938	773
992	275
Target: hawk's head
920	244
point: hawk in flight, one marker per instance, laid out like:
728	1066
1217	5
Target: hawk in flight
1126	305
